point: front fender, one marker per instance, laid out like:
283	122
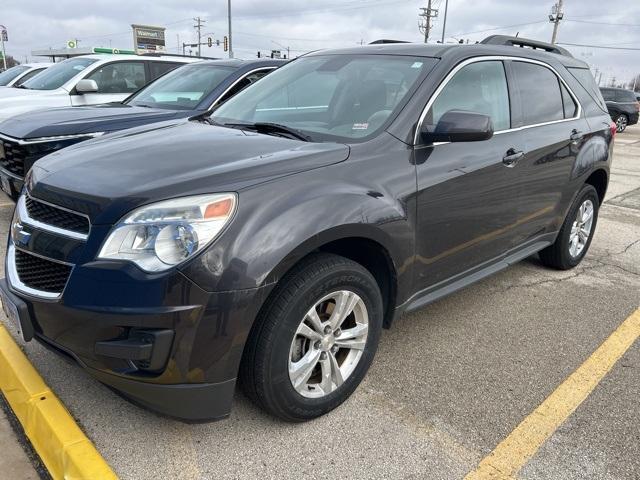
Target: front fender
273	231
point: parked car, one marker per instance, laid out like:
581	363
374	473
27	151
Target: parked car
623	106
271	243
16	76
187	91
86	80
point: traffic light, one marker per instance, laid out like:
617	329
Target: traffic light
210	42
226	44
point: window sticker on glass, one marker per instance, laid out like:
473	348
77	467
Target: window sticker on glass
360	126
416	65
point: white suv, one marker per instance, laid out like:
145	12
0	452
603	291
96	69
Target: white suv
19	74
86	80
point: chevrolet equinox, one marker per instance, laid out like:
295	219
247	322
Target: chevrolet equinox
270	242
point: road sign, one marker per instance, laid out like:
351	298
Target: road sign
72	44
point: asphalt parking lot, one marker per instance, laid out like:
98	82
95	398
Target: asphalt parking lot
448	383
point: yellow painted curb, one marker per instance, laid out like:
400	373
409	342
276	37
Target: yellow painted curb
64	449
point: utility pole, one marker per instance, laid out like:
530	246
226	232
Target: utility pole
229	16
425	24
199	26
444	22
3	38
554	17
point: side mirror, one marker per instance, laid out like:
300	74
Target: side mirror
460	126
86	86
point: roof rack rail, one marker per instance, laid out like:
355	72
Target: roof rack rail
386	40
525	43
159	54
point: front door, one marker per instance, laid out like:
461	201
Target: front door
116	81
467	195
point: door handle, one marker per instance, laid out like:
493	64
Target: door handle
576	135
512	157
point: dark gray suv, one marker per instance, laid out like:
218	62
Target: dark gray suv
272	241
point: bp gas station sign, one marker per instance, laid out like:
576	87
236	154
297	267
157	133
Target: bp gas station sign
148	39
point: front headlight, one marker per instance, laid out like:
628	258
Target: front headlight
161	235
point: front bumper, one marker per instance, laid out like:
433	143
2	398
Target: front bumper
197	378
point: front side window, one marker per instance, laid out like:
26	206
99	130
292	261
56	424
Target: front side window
28	76
57	75
242	84
183	88
329	97
11	73
608	95
540	93
479	87
119	77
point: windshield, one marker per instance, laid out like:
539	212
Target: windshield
183	88
10	74
57	75
333	97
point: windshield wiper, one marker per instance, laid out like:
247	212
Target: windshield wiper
268	127
21	86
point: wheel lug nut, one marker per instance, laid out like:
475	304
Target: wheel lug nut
316	345
323	356
327	329
335	349
337	333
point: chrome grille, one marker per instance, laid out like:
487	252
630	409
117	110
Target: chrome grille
41	274
56	217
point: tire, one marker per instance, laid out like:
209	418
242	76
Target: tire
621	123
561	255
275	342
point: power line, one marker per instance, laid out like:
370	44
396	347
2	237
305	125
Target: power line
598	46
605	23
498	28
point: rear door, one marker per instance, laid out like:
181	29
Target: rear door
115	80
554	129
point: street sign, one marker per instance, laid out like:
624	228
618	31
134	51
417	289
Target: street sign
72	44
148	39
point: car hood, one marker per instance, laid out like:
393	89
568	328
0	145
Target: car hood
78	120
19	101
111	175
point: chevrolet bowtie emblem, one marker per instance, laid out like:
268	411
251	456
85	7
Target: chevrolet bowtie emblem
19	235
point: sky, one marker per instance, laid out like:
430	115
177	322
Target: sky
310	25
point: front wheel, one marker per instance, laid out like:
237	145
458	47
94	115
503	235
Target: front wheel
577	231
314	340
621	123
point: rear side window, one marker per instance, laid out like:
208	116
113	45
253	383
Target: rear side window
480	87
540	93
588	82
570	106
160	68
625	96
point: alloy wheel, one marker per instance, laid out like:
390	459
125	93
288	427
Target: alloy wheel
581	228
328	344
621	123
